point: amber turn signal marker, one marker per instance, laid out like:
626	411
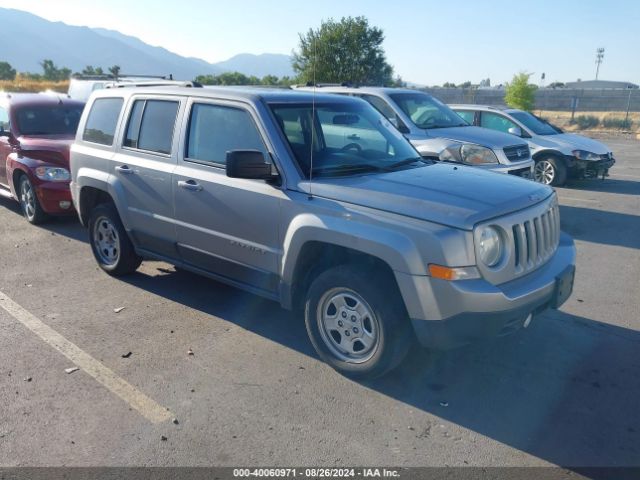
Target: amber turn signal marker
445	273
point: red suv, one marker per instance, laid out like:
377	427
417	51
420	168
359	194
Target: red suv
36	132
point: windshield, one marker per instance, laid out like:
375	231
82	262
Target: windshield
535	124
48	120
427	112
345	138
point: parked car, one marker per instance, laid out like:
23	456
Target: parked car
265	190
558	155
437	132
36	132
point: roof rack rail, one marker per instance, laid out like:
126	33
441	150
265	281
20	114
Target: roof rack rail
176	83
320	85
109	76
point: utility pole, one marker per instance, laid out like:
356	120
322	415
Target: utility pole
599	57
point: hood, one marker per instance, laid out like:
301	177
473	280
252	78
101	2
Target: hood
570	141
479	135
456	196
50	148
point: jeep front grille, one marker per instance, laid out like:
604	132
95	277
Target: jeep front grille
536	240
516	153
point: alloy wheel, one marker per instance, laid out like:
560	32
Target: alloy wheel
27	198
544	172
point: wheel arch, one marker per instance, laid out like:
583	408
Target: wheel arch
90	197
313	244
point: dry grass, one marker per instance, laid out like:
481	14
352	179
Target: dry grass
22	84
562	119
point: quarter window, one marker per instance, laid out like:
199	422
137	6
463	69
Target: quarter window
495	121
103	118
466	115
379	104
151	124
214	130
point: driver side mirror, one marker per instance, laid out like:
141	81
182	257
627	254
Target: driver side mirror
517	131
249	164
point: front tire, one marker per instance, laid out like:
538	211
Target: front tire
110	242
29	203
357	322
550	171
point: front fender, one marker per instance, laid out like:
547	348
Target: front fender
22	164
392	247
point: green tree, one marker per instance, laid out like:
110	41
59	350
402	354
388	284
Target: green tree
519	93
449	85
53	73
115	70
7	72
269	80
346	51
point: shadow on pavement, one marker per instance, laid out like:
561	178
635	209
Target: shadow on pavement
609	185
601	226
67	226
565	390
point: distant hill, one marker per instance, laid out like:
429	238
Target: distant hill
258	65
33	39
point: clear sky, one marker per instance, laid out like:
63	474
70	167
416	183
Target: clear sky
427	42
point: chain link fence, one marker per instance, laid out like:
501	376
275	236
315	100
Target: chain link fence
558	99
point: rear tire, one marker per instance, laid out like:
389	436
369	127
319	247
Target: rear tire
29	203
550	171
357	322
110	242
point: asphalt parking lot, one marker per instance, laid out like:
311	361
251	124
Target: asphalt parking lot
564	391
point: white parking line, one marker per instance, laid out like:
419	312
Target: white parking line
625	175
148	408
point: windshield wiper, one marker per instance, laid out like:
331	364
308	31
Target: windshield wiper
447	126
348	168
406	161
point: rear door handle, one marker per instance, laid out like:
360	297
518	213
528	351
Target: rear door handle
190	185
124	169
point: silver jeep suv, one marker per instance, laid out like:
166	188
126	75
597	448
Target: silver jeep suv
264	190
438	133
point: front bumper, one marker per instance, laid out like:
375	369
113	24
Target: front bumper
447	314
55	198
589	168
520	169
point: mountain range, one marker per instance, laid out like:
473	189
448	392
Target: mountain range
31	39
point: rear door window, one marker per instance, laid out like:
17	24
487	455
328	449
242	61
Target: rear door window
214	130
103	118
151	124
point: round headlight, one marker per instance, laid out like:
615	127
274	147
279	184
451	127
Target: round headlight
490	246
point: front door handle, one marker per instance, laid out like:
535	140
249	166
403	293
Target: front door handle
354	137
124	169
190	185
